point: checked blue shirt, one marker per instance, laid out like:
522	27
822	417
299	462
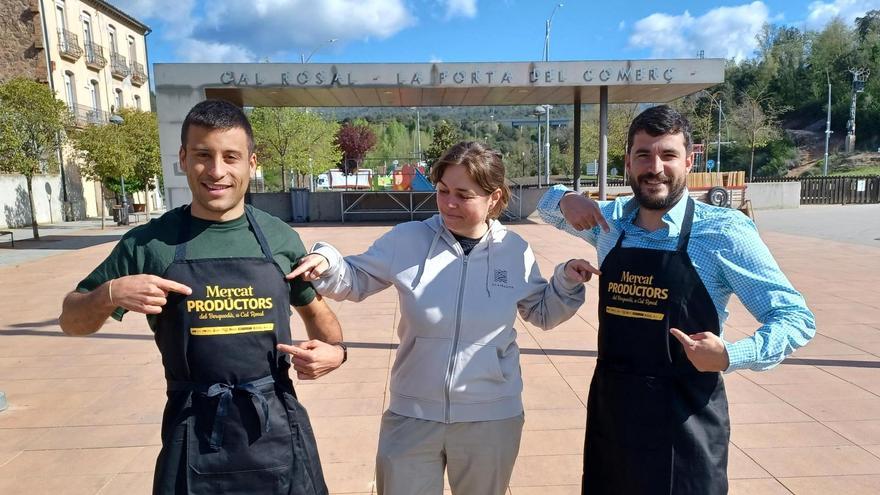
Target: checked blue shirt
730	258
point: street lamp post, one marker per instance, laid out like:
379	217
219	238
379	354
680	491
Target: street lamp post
418	137
827	125
547	108
303	59
720	114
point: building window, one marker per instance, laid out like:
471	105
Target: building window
114	47
132	53
60	18
137	102
119	99
87	29
70	90
94	115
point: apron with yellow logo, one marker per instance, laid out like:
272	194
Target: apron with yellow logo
655	425
232	423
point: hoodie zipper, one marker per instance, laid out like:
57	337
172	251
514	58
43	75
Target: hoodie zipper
456	336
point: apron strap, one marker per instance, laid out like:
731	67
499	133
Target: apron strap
185	227
684	235
224	391
258	232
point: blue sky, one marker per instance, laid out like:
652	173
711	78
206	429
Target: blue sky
466	30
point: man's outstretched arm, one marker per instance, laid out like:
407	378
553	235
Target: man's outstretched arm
84	313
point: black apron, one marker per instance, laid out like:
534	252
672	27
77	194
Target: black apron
655	425
232	423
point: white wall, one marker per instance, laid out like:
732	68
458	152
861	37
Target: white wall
774	195
14	207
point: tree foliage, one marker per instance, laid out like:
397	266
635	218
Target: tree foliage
355	140
292	140
31	121
444	136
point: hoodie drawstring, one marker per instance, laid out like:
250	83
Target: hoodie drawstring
490	270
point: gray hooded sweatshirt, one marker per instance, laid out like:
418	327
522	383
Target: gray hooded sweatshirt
458	359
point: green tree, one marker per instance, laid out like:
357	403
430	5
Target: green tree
141	134
444	136
757	119
289	139
105	156
31	121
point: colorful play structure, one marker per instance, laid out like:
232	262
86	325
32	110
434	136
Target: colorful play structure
407	178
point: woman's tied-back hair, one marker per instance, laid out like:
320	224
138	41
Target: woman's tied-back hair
217	114
483	165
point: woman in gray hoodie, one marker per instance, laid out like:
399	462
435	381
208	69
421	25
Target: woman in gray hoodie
461	277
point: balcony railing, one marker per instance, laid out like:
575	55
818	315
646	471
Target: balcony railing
82	115
138	75
95	56
118	66
68	45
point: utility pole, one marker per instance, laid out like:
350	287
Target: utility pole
827	125
860	76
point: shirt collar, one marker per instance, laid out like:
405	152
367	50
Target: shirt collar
674	218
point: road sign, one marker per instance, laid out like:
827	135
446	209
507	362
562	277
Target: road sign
710	164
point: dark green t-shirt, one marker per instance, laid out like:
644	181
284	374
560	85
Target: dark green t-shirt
149	249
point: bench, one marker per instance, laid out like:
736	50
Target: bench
10	234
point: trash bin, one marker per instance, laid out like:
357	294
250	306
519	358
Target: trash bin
120	214
299	204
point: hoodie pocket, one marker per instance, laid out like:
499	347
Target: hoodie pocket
421	372
478	376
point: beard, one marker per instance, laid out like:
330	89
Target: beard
657	202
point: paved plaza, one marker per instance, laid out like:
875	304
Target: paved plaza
84	413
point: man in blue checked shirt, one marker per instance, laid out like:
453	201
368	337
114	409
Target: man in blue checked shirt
657	419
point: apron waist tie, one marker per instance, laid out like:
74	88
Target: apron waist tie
224	391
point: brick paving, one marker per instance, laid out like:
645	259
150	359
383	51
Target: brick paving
84	412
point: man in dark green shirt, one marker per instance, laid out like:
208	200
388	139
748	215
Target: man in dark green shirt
210	278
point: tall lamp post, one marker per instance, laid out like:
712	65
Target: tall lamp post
538	113
547	108
303	59
418	137
827	125
720	115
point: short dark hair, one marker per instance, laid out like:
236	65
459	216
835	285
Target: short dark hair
660	120
217	114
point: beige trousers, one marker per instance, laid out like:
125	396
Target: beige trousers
478	456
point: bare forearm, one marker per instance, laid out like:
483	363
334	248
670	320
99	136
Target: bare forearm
84	313
320	321
324	327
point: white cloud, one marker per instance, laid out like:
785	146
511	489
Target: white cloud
462	8
621	25
727	32
209	30
822	12
171	11
190	50
435	60
268	27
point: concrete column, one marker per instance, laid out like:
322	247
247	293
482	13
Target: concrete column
603	141
172	104
576	167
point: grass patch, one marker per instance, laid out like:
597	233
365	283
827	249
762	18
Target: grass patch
871	170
